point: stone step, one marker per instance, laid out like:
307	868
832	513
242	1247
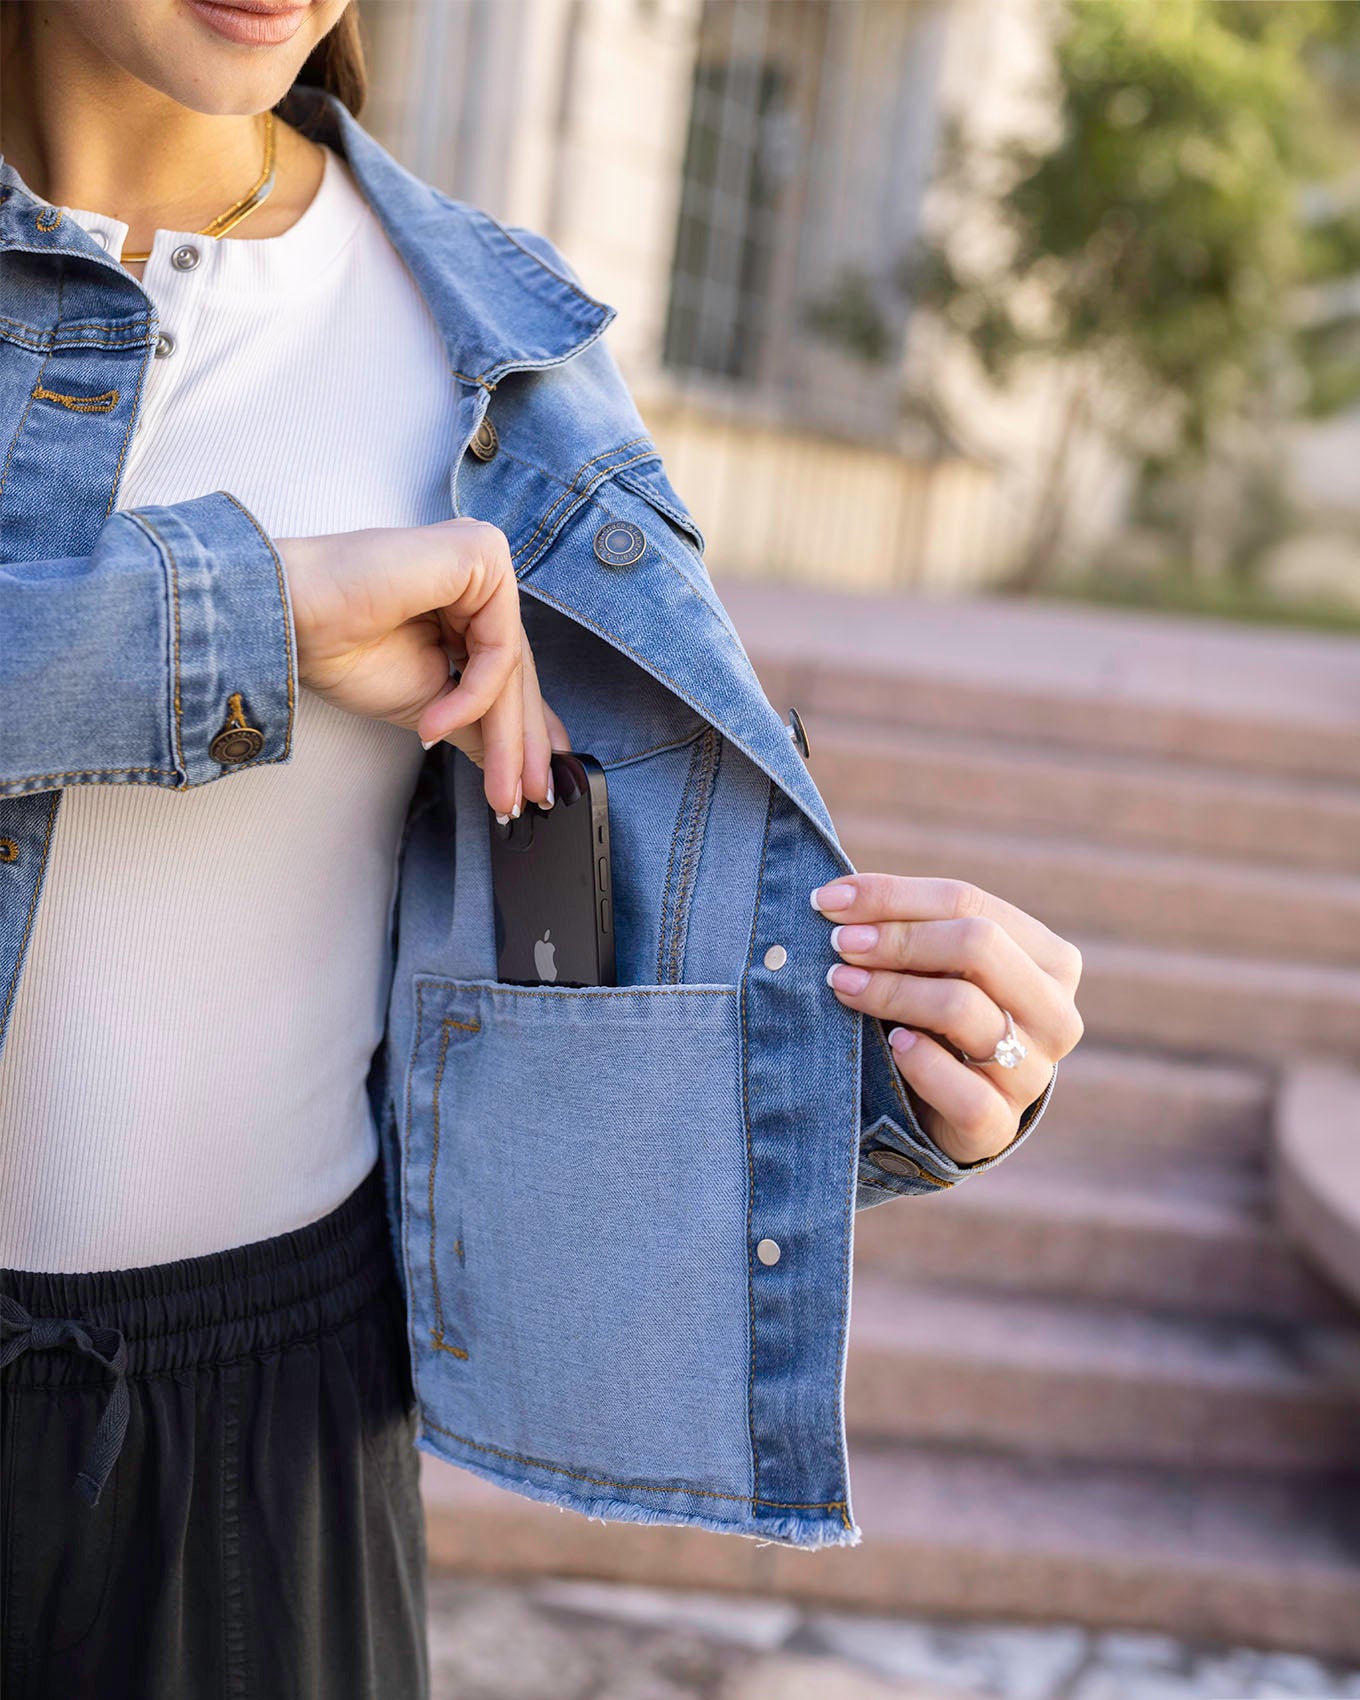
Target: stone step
1132	1109
1185	902
1217	1007
864	767
1260	699
1167	1237
1213	1556
1077	1380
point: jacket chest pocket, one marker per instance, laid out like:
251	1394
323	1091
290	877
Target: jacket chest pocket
580	1217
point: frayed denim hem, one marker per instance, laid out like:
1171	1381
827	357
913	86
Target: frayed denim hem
790	1528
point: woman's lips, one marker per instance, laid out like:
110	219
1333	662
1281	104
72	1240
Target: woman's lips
254	26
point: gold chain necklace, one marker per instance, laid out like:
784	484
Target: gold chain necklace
238	210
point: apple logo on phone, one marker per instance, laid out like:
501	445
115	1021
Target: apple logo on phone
544	953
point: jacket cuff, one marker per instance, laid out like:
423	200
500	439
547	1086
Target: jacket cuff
896	1156
233	649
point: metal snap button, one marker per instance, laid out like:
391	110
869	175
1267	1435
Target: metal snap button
768	1252
619	543
798	732
185	258
99	236
237	741
894	1163
485	440
9	850
776	956
165	344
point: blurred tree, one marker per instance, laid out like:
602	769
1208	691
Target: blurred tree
1172	243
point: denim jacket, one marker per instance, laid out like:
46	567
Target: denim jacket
622	1215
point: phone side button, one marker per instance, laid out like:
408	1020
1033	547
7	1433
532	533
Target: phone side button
602	874
604	914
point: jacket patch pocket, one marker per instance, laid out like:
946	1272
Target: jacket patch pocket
577	1213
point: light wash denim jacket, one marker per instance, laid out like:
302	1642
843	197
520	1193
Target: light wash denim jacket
577	1180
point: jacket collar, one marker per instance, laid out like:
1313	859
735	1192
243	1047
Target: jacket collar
499	307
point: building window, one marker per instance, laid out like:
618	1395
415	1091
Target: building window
754	93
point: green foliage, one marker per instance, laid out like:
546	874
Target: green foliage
1164	232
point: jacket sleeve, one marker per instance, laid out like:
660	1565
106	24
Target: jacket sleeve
119	667
911	1163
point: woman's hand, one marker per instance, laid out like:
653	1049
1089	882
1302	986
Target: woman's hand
944	958
381	613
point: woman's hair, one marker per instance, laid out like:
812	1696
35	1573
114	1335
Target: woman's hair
336	63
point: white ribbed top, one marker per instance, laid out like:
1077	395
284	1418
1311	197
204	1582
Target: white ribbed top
207	974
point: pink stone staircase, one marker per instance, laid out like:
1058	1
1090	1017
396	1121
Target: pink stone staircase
1099	1383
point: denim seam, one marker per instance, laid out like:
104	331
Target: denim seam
655	749
695	805
669	899
569	485
636	1487
588	624
750	1160
32	908
169	554
28	403
499	990
438	1334
110	336
555	520
8	788
405	1170
132	419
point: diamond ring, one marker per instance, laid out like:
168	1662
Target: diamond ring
1009	1051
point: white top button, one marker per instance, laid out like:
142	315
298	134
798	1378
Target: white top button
776	956
768	1252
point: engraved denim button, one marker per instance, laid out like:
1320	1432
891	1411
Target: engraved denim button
185	258
165	344
485	440
776	956
237	741
619	543
768	1252
894	1163
798	732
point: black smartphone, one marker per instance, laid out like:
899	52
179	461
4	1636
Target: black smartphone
550	883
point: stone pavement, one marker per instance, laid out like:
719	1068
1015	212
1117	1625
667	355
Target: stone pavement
558	1640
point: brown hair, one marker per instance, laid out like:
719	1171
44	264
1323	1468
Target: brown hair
337	64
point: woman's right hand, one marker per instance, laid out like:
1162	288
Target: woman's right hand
379	613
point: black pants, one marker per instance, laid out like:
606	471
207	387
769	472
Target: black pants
208	1486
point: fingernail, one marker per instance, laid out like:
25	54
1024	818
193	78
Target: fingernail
519	800
430	745
502	820
842	978
831	897
550	799
902	1038
859	938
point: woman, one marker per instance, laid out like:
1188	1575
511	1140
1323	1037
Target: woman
207	1159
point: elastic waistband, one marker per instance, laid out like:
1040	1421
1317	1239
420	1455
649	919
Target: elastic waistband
223	1305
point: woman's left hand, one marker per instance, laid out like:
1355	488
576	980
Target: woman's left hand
942	957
